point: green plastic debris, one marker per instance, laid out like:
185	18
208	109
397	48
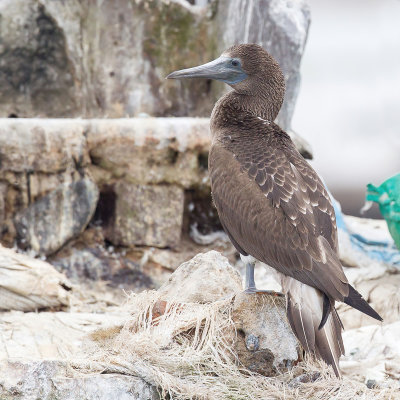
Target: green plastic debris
387	196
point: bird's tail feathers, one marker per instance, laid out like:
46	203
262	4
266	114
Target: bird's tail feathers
305	308
354	299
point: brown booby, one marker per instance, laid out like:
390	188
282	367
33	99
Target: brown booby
271	202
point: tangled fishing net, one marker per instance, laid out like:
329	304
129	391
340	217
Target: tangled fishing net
186	351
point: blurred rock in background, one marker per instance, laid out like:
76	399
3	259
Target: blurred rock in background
109	59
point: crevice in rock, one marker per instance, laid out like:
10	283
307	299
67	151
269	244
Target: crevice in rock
105	211
28	186
172	156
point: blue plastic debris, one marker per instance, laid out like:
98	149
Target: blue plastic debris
377	249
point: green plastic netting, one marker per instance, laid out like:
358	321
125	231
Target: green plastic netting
387	195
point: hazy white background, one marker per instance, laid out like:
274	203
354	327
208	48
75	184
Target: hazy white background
349	102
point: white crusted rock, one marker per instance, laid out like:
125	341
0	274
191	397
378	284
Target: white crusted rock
29	284
205	278
49	379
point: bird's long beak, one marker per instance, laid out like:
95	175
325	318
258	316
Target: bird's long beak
217	69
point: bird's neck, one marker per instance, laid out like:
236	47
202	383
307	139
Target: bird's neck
235	108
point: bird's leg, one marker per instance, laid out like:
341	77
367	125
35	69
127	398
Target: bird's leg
249	280
251	284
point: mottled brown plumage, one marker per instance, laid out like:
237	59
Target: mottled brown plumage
273	205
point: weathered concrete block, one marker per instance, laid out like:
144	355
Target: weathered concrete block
145	215
42	146
150	150
51	221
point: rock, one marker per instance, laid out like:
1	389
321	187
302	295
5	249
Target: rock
96	59
205	278
110	59
51	335
51	221
100	264
49	379
37	157
164	150
42	146
266	343
35	63
41	355
29	284
372	352
149	215
383	296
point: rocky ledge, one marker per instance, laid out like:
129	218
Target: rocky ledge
134	173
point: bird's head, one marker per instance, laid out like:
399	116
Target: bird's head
248	68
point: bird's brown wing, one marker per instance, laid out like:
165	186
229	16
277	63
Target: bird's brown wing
275	208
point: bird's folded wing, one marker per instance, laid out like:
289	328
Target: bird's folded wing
274	207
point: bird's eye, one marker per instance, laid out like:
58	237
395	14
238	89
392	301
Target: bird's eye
235	63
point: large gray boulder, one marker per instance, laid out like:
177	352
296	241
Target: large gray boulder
38	76
54	380
100	58
48	223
